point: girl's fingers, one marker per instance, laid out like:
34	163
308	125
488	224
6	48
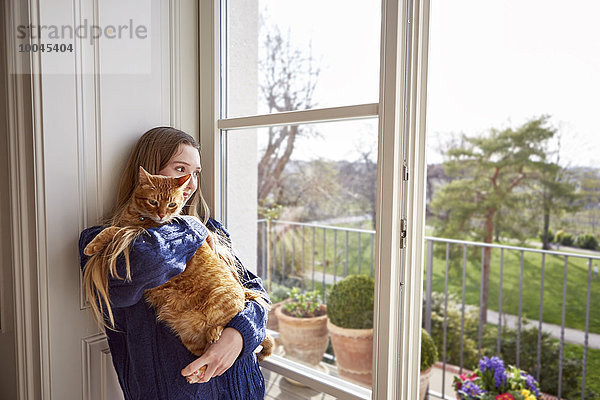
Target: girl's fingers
198	365
209	373
197	375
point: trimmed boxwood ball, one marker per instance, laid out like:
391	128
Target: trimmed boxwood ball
429	352
587	241
350	302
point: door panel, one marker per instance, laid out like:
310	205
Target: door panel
91	106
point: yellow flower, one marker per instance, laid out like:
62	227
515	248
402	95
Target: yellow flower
527	394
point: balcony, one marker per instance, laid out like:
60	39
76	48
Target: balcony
539	302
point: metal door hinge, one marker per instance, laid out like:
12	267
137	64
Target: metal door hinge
404	171
403	233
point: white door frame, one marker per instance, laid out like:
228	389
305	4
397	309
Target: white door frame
22	226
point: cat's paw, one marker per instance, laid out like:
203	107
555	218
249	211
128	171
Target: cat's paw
196	375
213	334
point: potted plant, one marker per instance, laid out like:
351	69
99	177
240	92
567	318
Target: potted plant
429	356
494	380
303	327
350	324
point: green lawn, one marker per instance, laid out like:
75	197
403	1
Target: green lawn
576	290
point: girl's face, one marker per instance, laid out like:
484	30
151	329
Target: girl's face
185	160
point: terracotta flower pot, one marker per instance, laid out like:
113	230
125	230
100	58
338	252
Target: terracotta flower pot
424	382
304	339
353	350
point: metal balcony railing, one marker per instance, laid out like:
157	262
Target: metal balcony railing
315	256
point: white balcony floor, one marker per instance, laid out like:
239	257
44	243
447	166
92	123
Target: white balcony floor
280	388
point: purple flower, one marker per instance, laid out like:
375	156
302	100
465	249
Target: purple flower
531	384
496	366
491	364
470	389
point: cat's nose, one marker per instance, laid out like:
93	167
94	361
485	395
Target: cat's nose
161	216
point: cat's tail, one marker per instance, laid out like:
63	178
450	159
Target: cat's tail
101	265
267	348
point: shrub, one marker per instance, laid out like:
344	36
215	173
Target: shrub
587	241
558	236
429	352
567	239
453	331
350	302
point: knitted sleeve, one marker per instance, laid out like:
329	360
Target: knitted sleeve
155	257
251	322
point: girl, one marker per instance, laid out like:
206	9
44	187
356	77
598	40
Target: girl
150	360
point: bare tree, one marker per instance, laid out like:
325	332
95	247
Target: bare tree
360	182
288	81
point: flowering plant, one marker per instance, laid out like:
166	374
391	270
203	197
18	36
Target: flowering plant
493	381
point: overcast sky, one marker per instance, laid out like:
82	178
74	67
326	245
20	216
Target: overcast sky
491	64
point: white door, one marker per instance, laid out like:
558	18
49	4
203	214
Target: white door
91	99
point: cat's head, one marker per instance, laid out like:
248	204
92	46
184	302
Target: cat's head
159	198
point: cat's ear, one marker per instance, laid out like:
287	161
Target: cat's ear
183	180
144	177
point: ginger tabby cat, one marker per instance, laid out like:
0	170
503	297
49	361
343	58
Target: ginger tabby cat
197	303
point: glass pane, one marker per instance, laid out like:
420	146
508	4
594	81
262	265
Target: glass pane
285	55
301	211
512	161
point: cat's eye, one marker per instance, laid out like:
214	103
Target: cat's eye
171	205
153	202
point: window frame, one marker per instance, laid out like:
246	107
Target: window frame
401	148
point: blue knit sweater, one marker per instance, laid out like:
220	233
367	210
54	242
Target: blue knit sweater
146	354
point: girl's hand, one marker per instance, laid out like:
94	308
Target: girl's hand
217	357
211	241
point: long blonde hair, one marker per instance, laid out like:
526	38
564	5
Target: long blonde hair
153	151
